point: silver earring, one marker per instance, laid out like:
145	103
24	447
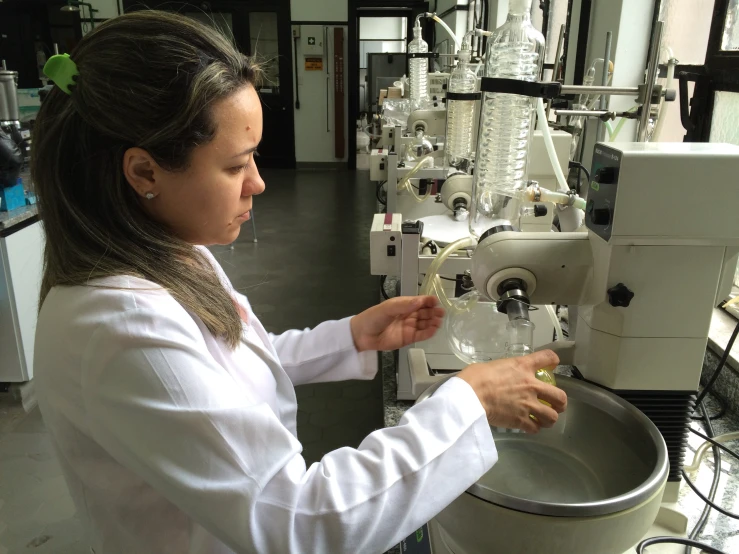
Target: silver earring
149	195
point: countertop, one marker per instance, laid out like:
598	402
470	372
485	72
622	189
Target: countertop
721	532
17	216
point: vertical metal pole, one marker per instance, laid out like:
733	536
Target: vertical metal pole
557	62
56	48
651	79
600	129
253	224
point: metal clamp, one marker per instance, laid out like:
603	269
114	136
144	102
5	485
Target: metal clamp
427	55
536	190
464	96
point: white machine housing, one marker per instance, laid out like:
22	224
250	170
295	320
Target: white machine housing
660	253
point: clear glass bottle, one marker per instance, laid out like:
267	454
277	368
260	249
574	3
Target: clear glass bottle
419	69
520	343
515	51
461	113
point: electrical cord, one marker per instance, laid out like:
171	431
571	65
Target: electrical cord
721	412
580	169
715	443
721	365
383	278
379	196
698	529
676	540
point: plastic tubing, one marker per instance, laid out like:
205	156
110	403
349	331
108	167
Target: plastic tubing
431	283
544	128
555	320
448	30
560	198
701	452
405	182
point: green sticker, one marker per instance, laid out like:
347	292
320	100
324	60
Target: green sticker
419	535
595	186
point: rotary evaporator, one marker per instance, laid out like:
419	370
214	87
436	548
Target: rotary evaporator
609	473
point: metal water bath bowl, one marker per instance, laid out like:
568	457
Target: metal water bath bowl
591	484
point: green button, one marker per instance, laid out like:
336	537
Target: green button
419	535
595	186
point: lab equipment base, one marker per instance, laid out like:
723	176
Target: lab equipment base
669	522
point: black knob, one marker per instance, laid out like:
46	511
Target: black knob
601	216
620	296
540	210
606	175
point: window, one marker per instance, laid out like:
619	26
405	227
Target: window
685	37
548	17
264	44
730	39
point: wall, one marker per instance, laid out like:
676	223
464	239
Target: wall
314	121
319	10
630	21
106	8
457	20
382	28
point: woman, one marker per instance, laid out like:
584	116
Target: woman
172	410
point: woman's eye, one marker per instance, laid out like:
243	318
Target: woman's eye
238	169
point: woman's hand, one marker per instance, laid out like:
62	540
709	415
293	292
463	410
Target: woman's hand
510	392
396	323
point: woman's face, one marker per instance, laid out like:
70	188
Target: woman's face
207	203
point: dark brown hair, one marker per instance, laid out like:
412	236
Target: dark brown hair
146	79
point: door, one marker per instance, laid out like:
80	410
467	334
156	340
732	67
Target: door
258	28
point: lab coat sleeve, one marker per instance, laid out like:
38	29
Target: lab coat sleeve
323	354
163	408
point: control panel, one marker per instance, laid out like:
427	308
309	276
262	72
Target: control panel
601	206
385	238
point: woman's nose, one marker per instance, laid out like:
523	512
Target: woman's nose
253	184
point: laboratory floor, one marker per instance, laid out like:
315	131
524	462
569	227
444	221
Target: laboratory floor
311	264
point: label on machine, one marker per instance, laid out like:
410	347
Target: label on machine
418	543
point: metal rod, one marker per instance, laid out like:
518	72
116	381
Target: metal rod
56	49
611	91
4	65
600	132
592	113
651	79
557	62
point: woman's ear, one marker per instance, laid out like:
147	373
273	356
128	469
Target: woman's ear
140	170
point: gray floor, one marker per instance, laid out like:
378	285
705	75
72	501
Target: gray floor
311	264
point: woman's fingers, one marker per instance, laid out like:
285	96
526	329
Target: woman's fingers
556	397
545	416
544	359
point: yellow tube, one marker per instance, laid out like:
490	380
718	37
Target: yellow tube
405	182
701	452
431	283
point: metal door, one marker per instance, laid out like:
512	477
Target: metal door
260	28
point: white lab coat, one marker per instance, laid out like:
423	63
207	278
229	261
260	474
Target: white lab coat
172	443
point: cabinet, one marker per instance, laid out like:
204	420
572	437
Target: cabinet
21	269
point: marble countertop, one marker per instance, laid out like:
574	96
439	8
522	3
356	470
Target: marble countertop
721	531
19	215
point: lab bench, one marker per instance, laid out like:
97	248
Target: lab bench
21	259
721	531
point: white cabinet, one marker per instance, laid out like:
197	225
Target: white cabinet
21	255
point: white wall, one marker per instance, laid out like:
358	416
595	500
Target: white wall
382	28
630	21
313	143
319	10
107	8
457	20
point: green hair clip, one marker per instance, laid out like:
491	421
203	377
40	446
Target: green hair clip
62	70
